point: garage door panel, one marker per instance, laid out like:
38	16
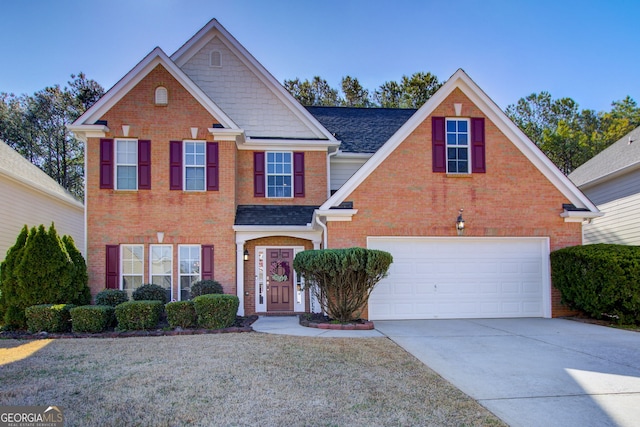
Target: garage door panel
462	278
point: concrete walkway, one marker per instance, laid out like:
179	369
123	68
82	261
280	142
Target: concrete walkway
289	325
533	372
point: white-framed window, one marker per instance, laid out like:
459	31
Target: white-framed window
161	267
194	165
126	164
132	267
190	262
279	174
458	146
162	96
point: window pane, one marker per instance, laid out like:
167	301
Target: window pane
462	153
127	177
451	167
451	126
462	139
194	179
279	174
462	126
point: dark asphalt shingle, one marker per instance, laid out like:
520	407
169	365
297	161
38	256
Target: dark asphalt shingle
274	215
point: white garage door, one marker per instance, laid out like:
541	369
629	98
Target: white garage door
462	277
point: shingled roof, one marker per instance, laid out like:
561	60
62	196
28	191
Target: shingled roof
361	130
274	215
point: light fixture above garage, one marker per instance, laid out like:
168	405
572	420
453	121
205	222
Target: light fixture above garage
460	223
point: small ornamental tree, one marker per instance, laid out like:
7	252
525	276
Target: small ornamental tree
342	279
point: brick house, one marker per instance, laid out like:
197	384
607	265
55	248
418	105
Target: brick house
201	166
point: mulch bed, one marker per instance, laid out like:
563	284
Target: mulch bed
320	321
242	324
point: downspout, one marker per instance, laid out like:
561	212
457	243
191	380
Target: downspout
325	231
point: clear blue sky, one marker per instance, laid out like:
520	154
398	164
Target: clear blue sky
583	49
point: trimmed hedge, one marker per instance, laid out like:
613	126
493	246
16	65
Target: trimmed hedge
136	315
602	280
182	314
150	292
92	318
49	318
216	311
111	297
206	287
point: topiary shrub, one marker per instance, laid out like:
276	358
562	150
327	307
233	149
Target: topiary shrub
136	315
342	279
92	318
49	318
111	297
182	314
206	287
216	311
150	292
602	280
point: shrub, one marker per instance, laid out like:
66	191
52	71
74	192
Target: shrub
111	297
92	318
603	280
134	315
216	311
206	287
49	317
150	292
342	279
181	313
41	268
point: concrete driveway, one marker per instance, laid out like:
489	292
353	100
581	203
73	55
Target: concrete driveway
533	372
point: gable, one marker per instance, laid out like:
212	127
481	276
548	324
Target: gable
475	104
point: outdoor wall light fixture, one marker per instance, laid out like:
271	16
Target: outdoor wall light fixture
460	223
246	255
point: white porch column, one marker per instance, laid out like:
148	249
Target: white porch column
240	276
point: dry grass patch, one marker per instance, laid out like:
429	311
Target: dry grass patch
236	379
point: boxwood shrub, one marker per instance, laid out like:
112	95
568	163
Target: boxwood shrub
49	317
135	315
150	292
602	280
206	287
92	318
111	297
181	313
216	311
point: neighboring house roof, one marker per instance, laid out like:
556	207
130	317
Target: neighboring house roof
277	215
460	80
15	166
620	157
361	130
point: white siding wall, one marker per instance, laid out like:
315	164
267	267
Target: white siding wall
242	95
23	205
619	199
342	170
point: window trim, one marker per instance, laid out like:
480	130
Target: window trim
151	275
468	145
184	165
267	174
180	275
116	164
122	265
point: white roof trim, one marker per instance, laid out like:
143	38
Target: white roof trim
215	29
141	70
287	144
462	81
580	216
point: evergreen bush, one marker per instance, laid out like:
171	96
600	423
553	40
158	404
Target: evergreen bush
182	314
49	318
206	287
150	292
602	280
111	297
136	315
92	318
216	311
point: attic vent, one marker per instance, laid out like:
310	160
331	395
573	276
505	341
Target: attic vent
215	59
162	96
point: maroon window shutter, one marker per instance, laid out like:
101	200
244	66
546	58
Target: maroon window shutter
112	267
144	165
212	166
259	184
175	165
438	144
207	262
106	163
298	174
477	146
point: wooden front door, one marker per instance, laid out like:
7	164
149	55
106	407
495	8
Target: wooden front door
279	279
